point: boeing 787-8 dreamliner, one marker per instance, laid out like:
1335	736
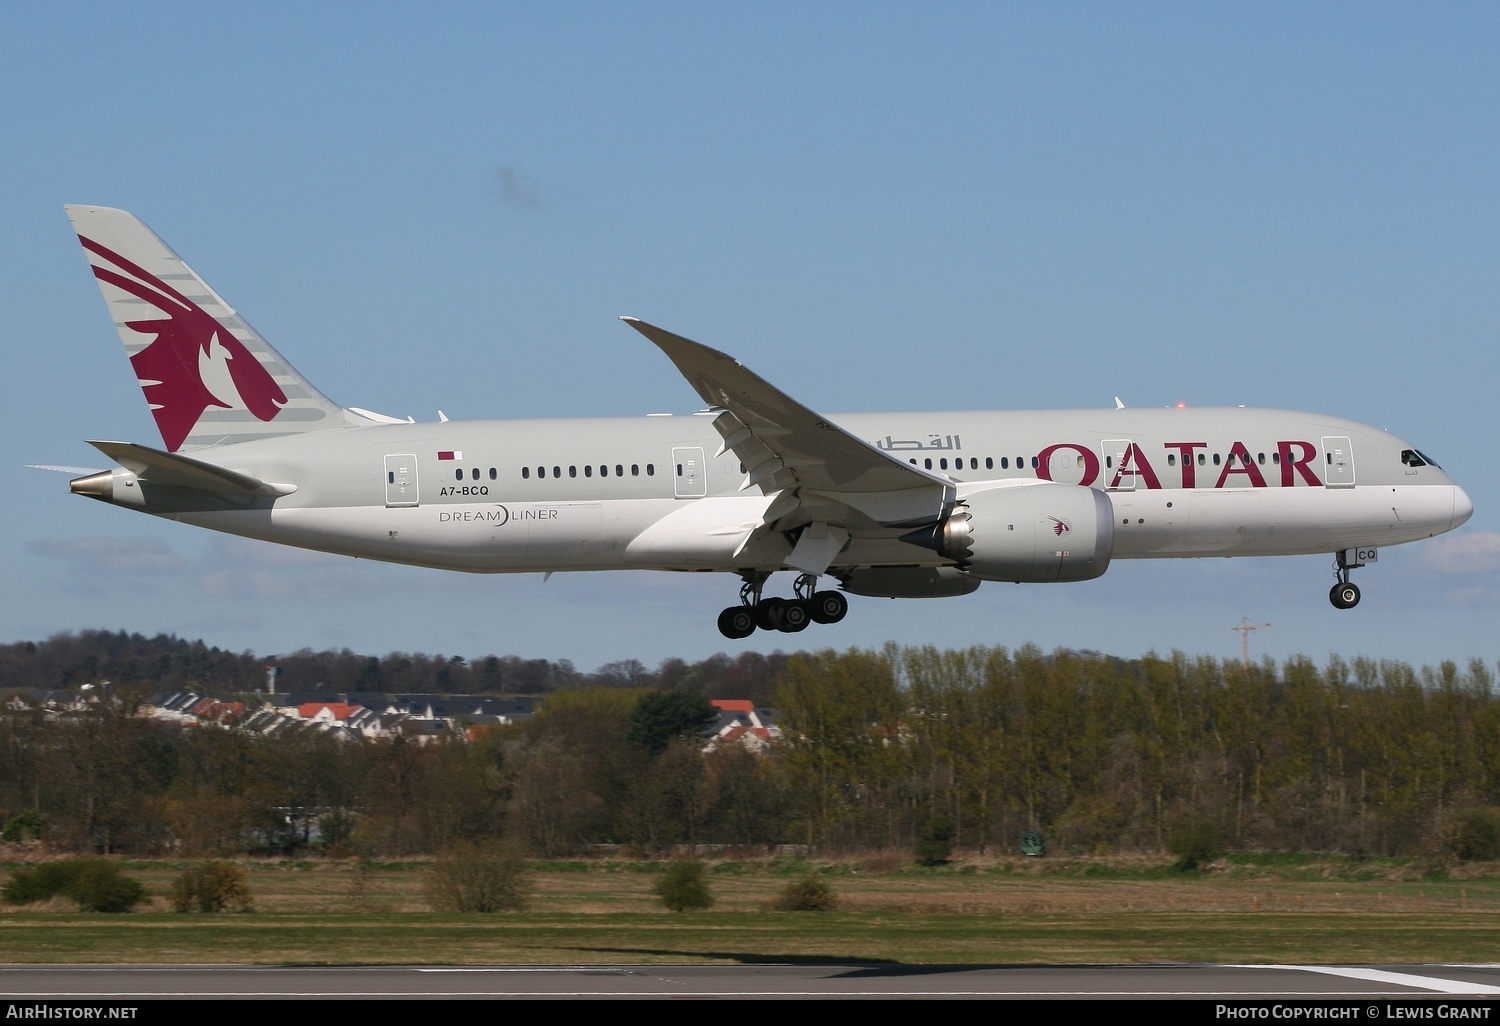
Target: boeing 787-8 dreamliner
900	505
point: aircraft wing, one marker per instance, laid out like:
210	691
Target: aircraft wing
789	448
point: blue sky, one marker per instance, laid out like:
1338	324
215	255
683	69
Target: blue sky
875	206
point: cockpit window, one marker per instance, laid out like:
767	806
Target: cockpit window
1416	458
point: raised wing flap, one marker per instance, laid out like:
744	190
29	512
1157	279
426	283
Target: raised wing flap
784	445
165	468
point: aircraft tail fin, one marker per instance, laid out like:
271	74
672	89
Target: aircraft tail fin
208	376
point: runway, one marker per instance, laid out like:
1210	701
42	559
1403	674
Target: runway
1258	983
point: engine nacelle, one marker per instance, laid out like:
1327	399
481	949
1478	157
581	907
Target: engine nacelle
1025	531
910	582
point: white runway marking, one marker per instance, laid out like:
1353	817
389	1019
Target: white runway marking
1382	976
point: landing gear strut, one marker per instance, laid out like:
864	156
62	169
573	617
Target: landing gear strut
1345	594
822	606
808	605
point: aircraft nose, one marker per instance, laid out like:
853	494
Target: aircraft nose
1463	509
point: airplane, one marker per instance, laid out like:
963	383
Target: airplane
895	505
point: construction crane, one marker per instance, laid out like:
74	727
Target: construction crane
1244	630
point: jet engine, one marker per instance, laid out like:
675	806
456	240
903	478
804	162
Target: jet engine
1025	531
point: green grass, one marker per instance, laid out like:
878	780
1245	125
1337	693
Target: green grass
1115	910
1141	937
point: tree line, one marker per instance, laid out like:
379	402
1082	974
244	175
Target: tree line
168	663
1097	753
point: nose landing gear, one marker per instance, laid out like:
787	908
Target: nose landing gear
808	605
1345	594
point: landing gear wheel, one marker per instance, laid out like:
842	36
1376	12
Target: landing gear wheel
737	622
828	607
768	614
1344	596
795	616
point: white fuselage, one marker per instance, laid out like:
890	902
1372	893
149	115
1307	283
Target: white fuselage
651	493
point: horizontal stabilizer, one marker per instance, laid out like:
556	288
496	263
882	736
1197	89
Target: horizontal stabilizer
170	469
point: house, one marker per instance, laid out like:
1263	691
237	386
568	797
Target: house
740	722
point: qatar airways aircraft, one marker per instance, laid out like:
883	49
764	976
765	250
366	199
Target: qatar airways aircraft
899	505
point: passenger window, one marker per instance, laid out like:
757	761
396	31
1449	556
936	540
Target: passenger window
1004	462
651	470
1171	459
635	470
973	463
943	463
557	471
458	475
541	471
1260	458
525	473
588	471
1216	459
927	463
604	470
912	462
619	470
493	474
1035	462
572	471
679	470
390	477
1203	460
989	463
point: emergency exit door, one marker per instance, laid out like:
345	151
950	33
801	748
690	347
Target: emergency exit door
401	480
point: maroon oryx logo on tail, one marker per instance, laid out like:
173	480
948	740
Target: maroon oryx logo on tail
189	345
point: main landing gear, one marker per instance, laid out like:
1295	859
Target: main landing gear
1345	594
808	605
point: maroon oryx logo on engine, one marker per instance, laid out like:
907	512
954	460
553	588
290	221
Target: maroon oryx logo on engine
1060	527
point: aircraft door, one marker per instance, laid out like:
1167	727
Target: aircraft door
1119	472
1338	462
401	480
691	481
